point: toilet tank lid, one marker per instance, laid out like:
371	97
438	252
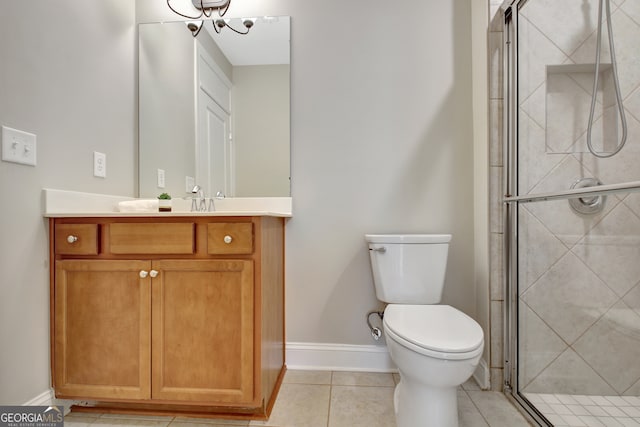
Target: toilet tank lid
408	238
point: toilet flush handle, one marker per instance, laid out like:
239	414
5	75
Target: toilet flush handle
381	249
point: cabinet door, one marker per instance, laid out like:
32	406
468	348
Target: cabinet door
203	331
102	329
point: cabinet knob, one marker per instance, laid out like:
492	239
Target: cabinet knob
228	239
153	273
143	274
71	238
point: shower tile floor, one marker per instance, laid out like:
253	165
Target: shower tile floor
578	410
332	399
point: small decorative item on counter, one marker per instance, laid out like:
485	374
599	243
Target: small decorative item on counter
164	202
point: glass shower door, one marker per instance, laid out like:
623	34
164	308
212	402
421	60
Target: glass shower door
573	219
578	310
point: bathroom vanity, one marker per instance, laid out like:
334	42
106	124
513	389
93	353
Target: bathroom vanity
179	314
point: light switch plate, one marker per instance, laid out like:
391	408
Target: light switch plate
99	164
18	146
160	178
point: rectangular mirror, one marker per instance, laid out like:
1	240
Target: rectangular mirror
214	109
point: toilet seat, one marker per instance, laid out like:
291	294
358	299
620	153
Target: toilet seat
438	331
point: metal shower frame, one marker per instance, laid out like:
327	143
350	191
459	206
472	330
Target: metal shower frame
511	201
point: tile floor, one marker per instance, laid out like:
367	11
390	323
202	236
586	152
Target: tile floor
579	411
333	399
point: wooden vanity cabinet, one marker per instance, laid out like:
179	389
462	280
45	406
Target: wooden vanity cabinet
174	316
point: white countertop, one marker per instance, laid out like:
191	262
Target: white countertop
70	204
162	214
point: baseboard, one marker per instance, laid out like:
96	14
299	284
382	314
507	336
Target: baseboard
47	398
43	399
338	357
482	375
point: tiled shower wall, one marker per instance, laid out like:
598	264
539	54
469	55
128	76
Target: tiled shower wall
579	284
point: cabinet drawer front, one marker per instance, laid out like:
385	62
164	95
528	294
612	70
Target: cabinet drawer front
76	239
154	238
230	238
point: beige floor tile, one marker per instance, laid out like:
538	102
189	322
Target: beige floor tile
119	422
77	423
206	422
361	407
79	419
299	405
136	417
363	379
82	415
471	384
307	377
356	399
468	413
497	410
213	423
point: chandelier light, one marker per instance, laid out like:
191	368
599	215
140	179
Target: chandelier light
206	10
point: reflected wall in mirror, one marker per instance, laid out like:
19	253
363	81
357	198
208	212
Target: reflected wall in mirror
214	110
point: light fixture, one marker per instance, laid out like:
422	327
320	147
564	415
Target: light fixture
219	24
207	8
194	26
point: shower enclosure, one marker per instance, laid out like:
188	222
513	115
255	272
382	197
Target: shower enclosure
572	215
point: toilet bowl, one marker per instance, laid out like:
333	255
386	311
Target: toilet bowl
435	347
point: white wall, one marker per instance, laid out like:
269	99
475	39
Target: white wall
167	108
381	142
381	123
67	74
261	130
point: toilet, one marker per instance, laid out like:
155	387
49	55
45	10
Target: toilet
435	347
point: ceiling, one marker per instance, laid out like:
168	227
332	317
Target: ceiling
268	41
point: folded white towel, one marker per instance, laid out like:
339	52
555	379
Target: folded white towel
141	205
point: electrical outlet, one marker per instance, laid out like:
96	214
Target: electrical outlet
160	178
18	146
99	164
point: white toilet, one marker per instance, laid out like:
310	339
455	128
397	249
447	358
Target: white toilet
435	347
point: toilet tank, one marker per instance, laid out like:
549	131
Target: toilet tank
408	268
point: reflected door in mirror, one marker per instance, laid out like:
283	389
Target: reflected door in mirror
213	151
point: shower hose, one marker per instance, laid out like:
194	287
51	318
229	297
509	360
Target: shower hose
615	81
